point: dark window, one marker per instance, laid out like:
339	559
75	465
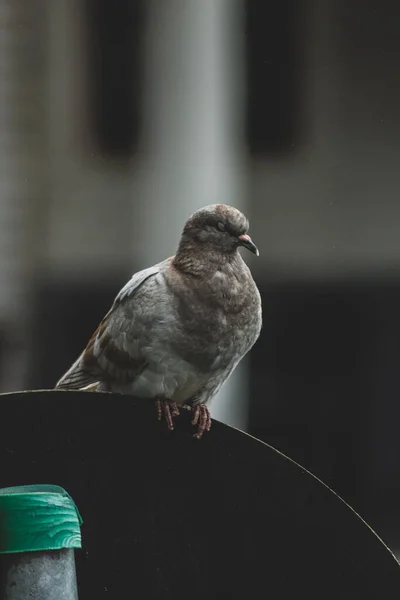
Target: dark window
273	35
115	34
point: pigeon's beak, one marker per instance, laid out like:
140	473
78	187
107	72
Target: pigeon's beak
246	241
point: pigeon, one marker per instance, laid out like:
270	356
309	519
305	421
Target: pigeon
177	330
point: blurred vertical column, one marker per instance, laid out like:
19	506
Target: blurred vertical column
192	132
22	184
92	136
86	185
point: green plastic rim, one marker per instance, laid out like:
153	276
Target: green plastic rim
38	517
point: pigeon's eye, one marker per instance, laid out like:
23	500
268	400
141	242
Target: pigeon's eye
220	226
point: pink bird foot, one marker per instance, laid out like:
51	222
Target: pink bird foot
202	419
168	410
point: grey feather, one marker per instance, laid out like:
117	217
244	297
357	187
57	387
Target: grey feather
135	282
76	377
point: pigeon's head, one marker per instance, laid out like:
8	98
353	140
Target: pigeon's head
219	227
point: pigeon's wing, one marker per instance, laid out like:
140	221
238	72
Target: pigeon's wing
134	284
104	358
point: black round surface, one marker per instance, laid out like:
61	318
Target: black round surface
169	516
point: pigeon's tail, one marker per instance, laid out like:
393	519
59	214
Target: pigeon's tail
77	377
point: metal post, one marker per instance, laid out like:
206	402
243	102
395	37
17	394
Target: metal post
39	529
48	575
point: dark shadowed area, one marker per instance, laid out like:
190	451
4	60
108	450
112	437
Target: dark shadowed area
166	515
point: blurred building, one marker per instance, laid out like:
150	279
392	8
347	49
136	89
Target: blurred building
118	120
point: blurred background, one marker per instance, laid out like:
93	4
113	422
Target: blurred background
119	119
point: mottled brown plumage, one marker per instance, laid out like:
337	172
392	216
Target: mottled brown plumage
177	330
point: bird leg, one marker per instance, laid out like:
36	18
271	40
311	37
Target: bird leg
175	409
169	410
202	419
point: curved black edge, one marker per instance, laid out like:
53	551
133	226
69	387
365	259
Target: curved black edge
166	514
183	426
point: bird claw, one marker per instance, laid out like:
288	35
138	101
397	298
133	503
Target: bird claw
168	410
175	409
201	416
202	419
